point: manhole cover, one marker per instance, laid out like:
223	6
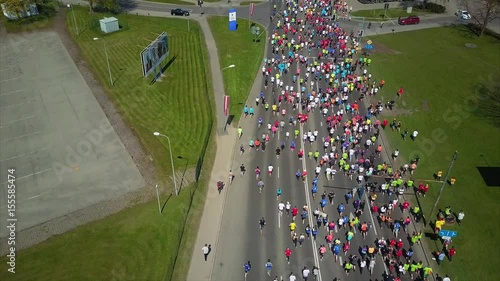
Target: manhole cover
470	45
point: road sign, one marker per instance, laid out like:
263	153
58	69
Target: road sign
448	233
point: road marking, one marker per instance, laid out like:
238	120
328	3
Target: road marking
336	228
374	227
279	219
340	258
25	154
321	123
10	79
27	135
13	92
17	120
306	189
34	174
354	227
278	172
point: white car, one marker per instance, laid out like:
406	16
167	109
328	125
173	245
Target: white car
464	15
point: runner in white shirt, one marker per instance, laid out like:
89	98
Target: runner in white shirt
281	207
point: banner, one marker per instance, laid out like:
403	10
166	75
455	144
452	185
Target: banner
232	19
226	106
252	8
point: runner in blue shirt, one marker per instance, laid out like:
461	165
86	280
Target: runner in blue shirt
247	266
269	267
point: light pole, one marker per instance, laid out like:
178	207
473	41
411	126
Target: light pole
230	66
455	155
107	60
158	196
74	19
171	160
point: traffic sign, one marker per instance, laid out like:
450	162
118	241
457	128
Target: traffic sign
448	233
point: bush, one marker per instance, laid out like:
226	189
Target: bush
432	7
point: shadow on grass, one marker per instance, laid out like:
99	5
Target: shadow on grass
183	172
163	69
463	31
166	201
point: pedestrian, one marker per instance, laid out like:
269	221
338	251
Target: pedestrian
460	217
247	266
451	253
305	273
315	272
242	169
205	251
269	267
288	253
292	277
414	135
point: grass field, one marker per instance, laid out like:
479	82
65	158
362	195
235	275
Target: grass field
391	13
175	2
138	243
236	47
247	3
439	77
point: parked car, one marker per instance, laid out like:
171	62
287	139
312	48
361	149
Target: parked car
409	20
179	12
464	15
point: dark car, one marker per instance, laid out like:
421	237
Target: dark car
409	20
179	12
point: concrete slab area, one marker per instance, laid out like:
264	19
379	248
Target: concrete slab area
65	153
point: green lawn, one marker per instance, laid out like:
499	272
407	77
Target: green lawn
391	13
138	243
247	3
175	2
236	47
439	77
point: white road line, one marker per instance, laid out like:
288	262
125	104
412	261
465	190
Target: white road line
34	174
306	190
13	92
352	216
278	172
340	258
17	120
10	79
6	68
279	219
25	154
27	135
374	227
336	228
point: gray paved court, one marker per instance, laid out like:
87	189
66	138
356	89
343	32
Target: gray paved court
54	133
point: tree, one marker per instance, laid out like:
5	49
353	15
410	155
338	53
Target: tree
483	12
487	105
17	7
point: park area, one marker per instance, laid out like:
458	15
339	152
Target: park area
238	48
139	243
443	81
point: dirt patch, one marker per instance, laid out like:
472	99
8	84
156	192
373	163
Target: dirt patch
383	49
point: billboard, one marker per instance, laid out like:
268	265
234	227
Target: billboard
232	20
154	54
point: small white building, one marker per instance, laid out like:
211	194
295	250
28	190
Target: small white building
109	25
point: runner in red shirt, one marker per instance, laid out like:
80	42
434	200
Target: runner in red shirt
451	253
295	211
400	92
288	253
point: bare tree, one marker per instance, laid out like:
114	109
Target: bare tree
483	12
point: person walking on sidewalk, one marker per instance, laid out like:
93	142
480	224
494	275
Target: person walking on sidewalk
206	250
247	266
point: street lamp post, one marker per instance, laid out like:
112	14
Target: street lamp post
171	160
158	197
107	60
230	66
74	19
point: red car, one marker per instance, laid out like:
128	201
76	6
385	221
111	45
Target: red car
409	20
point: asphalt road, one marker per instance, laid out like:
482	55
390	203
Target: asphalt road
241	240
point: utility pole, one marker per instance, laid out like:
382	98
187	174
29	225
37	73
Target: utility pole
455	155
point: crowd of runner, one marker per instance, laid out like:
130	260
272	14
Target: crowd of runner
333	87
